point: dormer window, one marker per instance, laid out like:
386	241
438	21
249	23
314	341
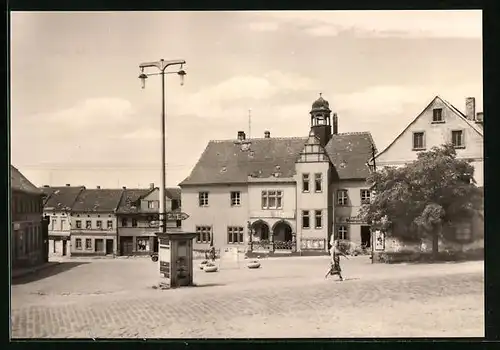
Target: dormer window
437	115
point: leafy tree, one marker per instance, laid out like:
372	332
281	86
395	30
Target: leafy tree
419	198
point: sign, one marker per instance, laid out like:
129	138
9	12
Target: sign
312	244
171	216
349	220
379	238
164	258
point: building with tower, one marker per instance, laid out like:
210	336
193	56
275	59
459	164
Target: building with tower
281	195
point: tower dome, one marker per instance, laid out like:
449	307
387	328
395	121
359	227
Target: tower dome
320	105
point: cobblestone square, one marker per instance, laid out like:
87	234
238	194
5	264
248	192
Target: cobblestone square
287	297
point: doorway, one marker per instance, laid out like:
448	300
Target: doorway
365	236
64	247
126	246
109	246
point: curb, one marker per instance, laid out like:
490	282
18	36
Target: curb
29	271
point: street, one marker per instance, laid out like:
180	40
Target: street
286	298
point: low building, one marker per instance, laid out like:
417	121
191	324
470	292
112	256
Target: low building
94	222
58	204
28	244
280	194
137	218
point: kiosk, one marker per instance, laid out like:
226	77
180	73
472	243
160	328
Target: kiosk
176	257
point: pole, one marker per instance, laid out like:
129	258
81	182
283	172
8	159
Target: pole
162	213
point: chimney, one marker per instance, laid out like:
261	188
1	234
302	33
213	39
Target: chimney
98	187
479	117
335	124
470	108
241	135
267	134
151	185
124	187
46	186
68	185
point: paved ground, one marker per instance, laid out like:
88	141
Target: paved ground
287	297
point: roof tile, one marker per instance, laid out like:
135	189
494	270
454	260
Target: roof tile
19	182
98	200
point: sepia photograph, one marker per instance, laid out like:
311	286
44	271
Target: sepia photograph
246	174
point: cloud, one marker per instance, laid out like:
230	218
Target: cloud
440	24
92	112
264	26
224	100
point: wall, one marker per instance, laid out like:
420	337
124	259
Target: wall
312	201
352	208
436	134
288	212
27	242
92	233
57	232
219	214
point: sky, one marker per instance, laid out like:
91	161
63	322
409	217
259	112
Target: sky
80	117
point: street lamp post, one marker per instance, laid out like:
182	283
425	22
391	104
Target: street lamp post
162	65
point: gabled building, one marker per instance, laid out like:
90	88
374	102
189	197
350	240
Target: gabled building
28	244
279	194
137	218
440	122
58	204
94	222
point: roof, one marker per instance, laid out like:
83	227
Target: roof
98	200
349	153
62	197
173	192
223	162
454	109
129	200
18	182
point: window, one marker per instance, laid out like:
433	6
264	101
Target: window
78	223
457	138
78	243
305	219
110	224
203	234
319	218
88	243
437	115
178	223
54	221
305	182
124	222
63	224
99	224
142	244
272	199
365	196
175	204
151	204
99	245
342	198
342	232
134	222
418	140
235	235
203	199
235	198
318	182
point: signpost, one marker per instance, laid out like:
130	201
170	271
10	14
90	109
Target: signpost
170	216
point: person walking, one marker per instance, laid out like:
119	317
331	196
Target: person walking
335	253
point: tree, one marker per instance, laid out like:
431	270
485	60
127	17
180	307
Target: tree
420	197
